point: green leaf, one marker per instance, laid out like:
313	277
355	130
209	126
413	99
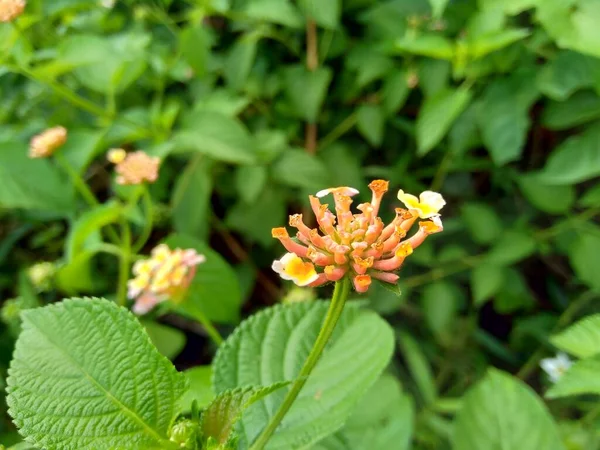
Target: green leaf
512	247
218	136
437	115
440	305
581	339
483	45
501	412
503	117
226	409
580	108
300	169
394	92
194	45
431	45
326	14
190	201
419	367
581	378
32	183
168	341
85	375
515	293
306	90
437	8
371	123
250	181
591	197
382	419
548	198
281	12
486	280
240	59
273	344
482	221
585	259
433	75
88	225
200	389
567	73
215	289
577	159
342	164
76	276
81	147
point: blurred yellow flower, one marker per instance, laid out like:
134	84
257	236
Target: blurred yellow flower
134	168
166	275
427	205
46	143
11	9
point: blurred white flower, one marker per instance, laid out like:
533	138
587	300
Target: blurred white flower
556	367
108	4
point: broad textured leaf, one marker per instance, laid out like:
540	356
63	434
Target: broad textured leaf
200	389
85	375
382	419
225	410
438	114
282	12
272	345
577	159
215	289
190	201
567	73
503	413
371	123
585	259
306	90
32	184
300	169
89	225
326	14
580	108
581	378
547	198
581	339
218	136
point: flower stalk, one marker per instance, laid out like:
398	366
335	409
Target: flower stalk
340	294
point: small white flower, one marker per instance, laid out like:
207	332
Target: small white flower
556	367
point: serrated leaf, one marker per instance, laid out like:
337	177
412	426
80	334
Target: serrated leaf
580	378
577	159
218	136
226	409
581	339
272	345
306	90
382	419
438	114
501	412
85	375
486	280
370	123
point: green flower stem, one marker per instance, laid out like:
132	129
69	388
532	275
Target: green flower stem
147	230
210	329
340	294
124	263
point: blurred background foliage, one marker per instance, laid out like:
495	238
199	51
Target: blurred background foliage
253	104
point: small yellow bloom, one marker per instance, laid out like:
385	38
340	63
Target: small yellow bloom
116	155
136	167
46	143
292	267
427	205
11	9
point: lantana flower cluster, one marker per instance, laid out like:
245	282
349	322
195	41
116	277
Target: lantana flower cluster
355	245
135	167
44	145
166	275
11	9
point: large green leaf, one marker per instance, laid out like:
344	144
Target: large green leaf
272	345
581	339
306	90
581	378
85	375
438	114
547	198
382	419
218	136
32	183
580	108
194	45
300	169
503	413
568	72
575	160
240	59
215	290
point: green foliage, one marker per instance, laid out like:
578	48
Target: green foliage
84	374
581	339
273	345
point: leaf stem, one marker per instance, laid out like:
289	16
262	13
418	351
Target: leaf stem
340	294
124	262
210	329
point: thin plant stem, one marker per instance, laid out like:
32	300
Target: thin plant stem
124	262
147	230
340	294
210	329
